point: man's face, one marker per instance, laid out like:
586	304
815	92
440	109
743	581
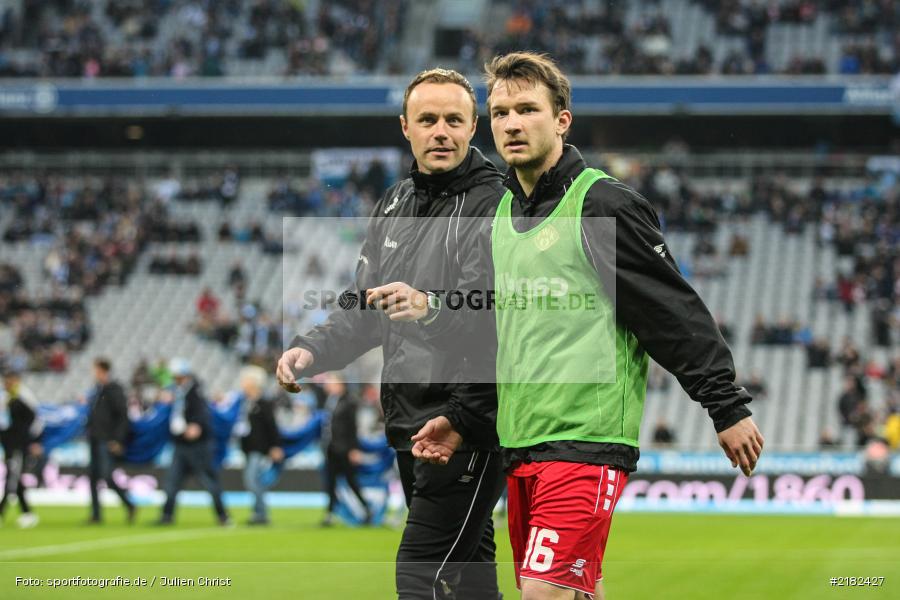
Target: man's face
439	124
525	129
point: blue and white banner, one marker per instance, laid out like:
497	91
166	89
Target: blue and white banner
149	435
384	96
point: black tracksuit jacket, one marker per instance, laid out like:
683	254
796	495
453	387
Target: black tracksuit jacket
264	434
196	411
108	417
425	231
18	435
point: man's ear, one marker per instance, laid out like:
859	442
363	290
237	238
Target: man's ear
474	127
404	127
563	122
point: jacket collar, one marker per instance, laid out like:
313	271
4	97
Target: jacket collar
552	183
467	174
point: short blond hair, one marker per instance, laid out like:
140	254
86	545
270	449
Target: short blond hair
255	375
441	76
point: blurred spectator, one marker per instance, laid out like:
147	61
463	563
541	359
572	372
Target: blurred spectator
827	440
207	304
739	245
175	265
190	426
237	276
755	385
224	232
818	354
663	435
141	375
852	404
340	442
260	438
107	431
784	332
892	431
848	355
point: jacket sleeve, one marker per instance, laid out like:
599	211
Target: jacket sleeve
472	411
29	401
196	410
118	404
348	333
472	406
463	313
352	431
273	434
656	303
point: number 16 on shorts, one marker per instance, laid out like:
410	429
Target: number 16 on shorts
538	555
559	519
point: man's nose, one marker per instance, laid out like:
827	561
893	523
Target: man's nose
513	123
440	130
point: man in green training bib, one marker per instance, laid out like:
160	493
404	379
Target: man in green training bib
586	293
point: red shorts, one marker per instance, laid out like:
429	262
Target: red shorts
559	518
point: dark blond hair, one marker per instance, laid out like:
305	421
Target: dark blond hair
533	68
441	76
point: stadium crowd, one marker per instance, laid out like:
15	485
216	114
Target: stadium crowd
165	38
91	232
593	39
354	198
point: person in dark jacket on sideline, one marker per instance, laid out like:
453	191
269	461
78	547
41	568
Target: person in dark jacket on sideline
340	442
107	432
189	425
260	439
422	239
19	430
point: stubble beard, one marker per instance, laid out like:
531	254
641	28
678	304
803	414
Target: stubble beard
534	161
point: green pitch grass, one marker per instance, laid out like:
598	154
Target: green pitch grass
687	557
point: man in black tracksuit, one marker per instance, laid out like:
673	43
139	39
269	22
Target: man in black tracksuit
424	232
19	429
340	442
107	432
190	425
